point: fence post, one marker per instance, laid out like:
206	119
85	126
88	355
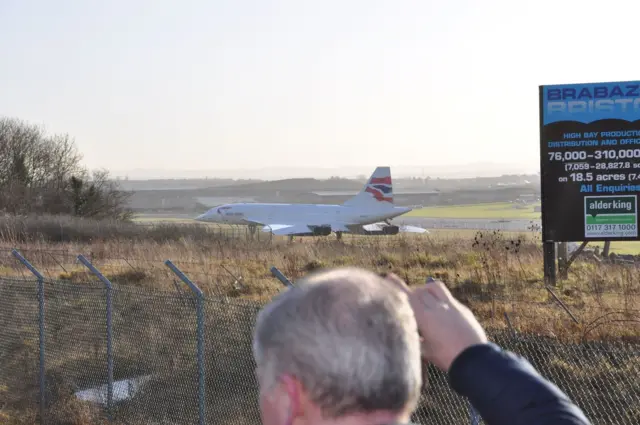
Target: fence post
562	304
200	332
40	278
281	277
109	289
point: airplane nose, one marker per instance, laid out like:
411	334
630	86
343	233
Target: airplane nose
202	217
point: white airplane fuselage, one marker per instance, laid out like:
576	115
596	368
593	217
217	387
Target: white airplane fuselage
316	214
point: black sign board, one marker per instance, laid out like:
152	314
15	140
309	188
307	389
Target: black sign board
590	161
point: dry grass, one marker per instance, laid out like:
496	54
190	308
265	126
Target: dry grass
492	272
498	276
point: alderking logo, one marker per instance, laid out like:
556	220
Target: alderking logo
611	216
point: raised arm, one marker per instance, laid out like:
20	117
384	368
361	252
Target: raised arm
504	388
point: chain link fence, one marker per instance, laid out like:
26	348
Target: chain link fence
167	357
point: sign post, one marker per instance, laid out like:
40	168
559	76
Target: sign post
589	164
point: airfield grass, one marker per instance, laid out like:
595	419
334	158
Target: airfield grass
620	248
510	263
497	210
497	275
156	219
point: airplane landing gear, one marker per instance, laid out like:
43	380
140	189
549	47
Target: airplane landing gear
339	235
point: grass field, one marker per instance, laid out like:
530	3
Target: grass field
631	248
512	261
147	218
621	248
497	210
497	275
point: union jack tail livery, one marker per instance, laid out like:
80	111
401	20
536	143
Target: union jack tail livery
377	192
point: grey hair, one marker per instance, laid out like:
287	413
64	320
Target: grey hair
348	336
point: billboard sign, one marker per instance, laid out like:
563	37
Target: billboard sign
590	161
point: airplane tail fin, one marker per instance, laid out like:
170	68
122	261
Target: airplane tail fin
378	191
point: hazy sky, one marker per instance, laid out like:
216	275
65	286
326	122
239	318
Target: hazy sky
245	84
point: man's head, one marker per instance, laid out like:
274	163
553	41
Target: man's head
342	343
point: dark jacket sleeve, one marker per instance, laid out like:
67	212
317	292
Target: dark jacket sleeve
506	390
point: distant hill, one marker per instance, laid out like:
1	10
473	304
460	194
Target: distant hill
280	171
180	184
331	184
302	184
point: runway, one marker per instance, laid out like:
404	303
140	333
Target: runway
507	225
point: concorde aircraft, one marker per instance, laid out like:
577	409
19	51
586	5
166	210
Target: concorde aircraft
368	212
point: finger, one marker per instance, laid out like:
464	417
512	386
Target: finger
439	291
398	282
425	299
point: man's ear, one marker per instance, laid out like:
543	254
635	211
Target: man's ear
296	395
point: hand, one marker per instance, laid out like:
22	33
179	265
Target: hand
447	326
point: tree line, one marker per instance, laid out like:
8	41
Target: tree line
43	174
